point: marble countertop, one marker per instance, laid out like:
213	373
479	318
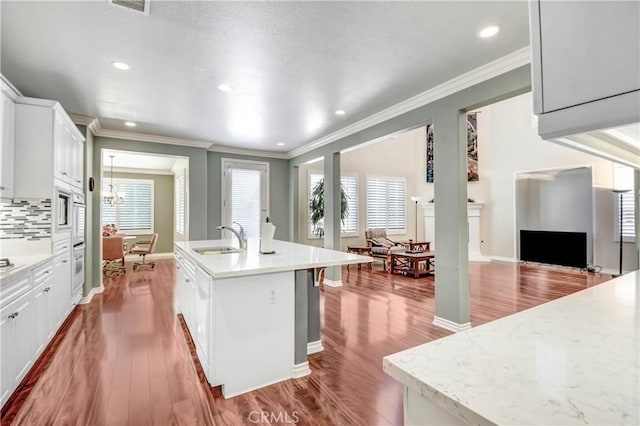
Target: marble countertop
23	263
288	257
572	361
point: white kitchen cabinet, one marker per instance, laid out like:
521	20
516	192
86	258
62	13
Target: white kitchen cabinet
18	331
46	141
186	288
203	316
61	290
43	280
7	130
585	65
77	163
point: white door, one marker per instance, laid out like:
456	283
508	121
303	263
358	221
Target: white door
245	188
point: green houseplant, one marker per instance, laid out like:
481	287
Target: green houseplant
316	207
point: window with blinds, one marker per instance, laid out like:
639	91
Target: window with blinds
386	204
623	178
349	226
180	200
135	214
245	199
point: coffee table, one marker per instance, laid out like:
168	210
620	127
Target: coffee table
417	245
415	264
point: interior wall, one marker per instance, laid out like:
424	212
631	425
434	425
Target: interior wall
561	201
393	157
278	192
163	209
516	147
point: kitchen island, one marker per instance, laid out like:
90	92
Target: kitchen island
572	361
254	317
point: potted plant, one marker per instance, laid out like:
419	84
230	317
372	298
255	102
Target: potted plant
316	207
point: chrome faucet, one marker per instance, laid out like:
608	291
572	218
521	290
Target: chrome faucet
241	235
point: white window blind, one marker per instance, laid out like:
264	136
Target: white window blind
135	214
623	179
350	185
180	196
386	204
245	199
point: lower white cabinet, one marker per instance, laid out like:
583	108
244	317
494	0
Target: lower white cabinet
43	281
33	305
202	321
18	331
61	288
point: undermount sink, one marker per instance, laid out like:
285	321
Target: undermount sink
209	251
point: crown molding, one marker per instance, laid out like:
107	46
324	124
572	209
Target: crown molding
82	120
9	88
485	72
98	130
250	152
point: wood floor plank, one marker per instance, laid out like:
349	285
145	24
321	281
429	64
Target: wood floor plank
124	358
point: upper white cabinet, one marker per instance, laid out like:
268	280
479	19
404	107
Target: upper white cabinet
47	141
586	65
7	130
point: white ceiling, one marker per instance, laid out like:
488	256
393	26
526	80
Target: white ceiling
292	64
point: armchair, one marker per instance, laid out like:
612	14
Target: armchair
381	246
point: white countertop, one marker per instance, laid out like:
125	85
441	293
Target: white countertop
287	257
572	361
23	263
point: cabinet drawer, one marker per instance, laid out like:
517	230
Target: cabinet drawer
14	287
61	246
42	273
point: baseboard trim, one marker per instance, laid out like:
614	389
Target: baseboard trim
450	325
300	370
504	259
332	283
611	271
479	258
87	299
314	347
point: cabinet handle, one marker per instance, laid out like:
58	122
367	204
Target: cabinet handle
64	261
46	290
64	174
78	180
46	272
187	280
1	188
177	267
13	315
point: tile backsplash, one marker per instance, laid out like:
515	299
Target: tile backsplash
25	219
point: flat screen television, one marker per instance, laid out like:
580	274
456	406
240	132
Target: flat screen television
553	247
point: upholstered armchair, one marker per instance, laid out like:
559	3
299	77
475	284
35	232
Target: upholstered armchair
381	246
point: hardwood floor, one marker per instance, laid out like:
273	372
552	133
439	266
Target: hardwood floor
123	359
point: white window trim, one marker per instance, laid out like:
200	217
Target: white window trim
310	234
623	178
153	210
228	163
402	231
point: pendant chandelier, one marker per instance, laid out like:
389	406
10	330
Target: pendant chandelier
112	197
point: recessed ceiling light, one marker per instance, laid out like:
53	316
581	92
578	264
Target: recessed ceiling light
280	144
130	124
489	31
225	87
120	65
340	112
